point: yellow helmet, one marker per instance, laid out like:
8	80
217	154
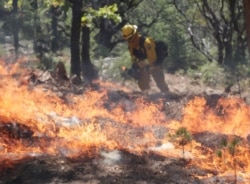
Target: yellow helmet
128	31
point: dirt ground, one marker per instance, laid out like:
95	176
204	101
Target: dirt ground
148	168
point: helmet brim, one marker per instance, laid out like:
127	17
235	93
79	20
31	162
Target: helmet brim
127	37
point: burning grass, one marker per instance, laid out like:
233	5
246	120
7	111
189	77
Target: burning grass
38	120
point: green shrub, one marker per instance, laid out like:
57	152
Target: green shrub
210	73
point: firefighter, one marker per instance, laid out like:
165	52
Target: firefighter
144	59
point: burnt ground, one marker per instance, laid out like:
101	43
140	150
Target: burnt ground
147	168
122	166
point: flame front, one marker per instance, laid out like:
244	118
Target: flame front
230	116
82	125
70	128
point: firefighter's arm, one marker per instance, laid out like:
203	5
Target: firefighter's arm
150	49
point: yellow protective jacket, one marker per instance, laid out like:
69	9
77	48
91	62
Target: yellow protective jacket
142	56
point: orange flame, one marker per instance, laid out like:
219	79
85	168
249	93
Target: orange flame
83	125
230	116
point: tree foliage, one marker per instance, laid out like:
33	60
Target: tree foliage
183	137
216	28
196	31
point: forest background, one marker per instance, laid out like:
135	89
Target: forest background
206	38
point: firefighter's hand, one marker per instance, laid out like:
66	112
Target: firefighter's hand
124	68
132	72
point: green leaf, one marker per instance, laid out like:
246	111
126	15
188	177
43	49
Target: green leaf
184	135
219	153
108	12
235	141
224	142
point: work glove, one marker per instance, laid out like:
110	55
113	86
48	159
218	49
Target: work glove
128	73
134	72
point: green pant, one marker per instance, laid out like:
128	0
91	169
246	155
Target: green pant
158	76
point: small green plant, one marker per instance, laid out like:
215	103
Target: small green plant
231	148
183	138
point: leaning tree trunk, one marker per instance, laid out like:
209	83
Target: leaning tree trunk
88	70
75	37
247	20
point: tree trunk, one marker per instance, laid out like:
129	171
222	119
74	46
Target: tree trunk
15	26
220	48
75	37
33	4
246	4
88	69
54	23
